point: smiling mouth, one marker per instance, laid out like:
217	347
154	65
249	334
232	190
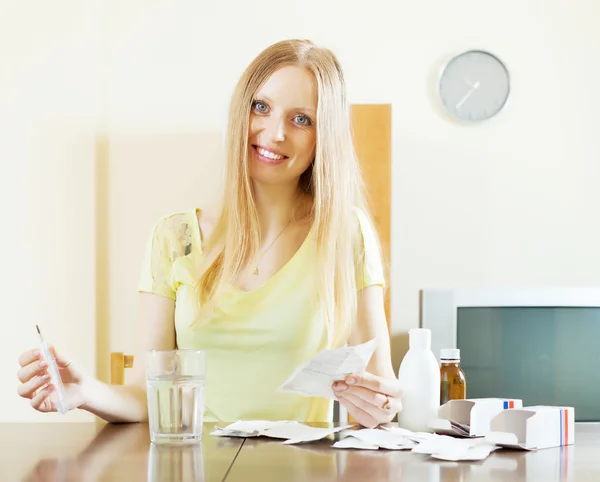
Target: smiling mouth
268	156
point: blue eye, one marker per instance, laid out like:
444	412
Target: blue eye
303	120
260	107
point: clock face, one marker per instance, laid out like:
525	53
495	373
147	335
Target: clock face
474	86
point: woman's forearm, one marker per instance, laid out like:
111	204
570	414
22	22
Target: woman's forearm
116	403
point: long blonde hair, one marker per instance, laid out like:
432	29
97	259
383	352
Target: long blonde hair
333	180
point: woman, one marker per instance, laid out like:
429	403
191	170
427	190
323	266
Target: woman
288	267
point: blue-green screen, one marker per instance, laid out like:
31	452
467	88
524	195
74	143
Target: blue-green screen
544	356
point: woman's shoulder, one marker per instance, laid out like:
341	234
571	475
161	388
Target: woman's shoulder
370	262
175	232
370	244
174	221
182	229
364	221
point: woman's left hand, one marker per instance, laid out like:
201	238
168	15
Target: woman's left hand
370	399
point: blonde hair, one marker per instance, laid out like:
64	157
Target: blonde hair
333	180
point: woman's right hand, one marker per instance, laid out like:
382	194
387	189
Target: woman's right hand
37	386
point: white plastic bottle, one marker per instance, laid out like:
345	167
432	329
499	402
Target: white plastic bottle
419	376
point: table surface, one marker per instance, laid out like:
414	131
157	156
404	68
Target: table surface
113	452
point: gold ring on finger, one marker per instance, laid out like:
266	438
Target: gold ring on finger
387	406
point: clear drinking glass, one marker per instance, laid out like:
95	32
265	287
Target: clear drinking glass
175	386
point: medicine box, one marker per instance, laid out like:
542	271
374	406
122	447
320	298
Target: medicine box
532	428
470	417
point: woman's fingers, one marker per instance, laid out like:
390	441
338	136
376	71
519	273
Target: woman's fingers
41	400
36	382
61	361
28	389
374	407
358	414
377	413
387	386
29	371
374	398
29	356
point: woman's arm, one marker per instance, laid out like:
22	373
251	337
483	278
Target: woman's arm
128	403
373	397
371	323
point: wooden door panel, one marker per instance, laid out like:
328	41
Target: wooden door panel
372	134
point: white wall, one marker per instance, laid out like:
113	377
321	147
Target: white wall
49	110
512	201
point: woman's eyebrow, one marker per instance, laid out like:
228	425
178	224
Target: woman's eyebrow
292	108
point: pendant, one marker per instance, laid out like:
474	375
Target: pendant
255	272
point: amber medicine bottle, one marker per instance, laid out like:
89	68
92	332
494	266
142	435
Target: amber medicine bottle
453	383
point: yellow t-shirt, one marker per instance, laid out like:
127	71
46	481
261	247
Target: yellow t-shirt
256	339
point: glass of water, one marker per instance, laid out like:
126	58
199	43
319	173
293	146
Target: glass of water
175	388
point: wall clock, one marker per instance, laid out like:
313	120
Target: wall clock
474	86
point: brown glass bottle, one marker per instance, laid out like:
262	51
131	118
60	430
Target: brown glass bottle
452	377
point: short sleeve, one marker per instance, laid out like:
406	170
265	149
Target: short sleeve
157	264
370	270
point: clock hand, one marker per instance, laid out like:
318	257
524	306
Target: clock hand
464	99
473	88
469	83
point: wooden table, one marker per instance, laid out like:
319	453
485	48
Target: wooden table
101	452
82	452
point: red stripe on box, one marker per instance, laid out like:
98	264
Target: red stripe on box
566	427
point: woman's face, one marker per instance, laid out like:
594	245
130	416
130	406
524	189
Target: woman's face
282	134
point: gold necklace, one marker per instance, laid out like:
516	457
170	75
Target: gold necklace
255	271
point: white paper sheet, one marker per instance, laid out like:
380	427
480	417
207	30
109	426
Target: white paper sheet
248	428
414	436
257	426
444	447
478	451
441	447
293	432
377	436
387	437
441	443
315	376
354	443
303	433
374	438
219	432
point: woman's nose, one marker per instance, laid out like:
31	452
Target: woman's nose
276	129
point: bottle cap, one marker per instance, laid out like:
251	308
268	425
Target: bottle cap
419	338
450	354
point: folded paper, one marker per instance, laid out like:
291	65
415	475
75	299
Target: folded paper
291	432
372	439
315	377
386	437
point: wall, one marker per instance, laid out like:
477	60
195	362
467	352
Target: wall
506	202
49	110
148	176
512	201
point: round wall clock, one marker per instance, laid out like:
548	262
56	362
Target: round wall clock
474	86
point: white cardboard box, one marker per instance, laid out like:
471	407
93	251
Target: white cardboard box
474	414
532	428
